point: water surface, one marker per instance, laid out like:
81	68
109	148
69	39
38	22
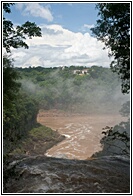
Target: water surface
83	132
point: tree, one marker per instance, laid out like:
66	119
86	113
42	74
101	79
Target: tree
10	86
19	110
14	37
113	28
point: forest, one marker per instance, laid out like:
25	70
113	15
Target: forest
98	90
26	90
75	89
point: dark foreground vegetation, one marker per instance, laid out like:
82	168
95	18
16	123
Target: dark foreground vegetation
25	91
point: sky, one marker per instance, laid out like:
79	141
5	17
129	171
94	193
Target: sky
66	36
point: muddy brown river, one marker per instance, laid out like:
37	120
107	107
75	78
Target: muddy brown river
61	172
82	131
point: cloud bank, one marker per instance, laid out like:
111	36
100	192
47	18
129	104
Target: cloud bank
36	10
61	47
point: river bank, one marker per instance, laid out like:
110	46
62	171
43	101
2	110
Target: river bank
66	135
38	141
83	132
31	171
35	143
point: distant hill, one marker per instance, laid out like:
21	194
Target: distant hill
94	89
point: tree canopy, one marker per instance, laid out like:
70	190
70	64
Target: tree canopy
14	37
113	28
18	116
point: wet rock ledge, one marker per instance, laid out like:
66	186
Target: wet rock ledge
40	174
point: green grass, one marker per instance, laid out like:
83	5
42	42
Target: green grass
41	132
38	140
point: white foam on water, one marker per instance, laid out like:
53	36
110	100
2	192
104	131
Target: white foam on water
68	136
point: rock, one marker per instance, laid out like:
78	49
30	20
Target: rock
54	175
48	180
63	156
96	183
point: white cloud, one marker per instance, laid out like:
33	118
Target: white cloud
88	26
59	46
19	6
36	10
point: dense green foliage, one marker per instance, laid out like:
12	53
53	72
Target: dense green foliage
25	91
10	86
116	139
19	120
19	109
113	28
37	141
14	37
98	90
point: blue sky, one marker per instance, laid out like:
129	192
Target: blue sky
66	36
70	15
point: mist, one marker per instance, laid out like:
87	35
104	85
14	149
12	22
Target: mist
76	93
95	95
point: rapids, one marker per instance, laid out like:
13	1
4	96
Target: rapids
68	167
41	174
83	132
